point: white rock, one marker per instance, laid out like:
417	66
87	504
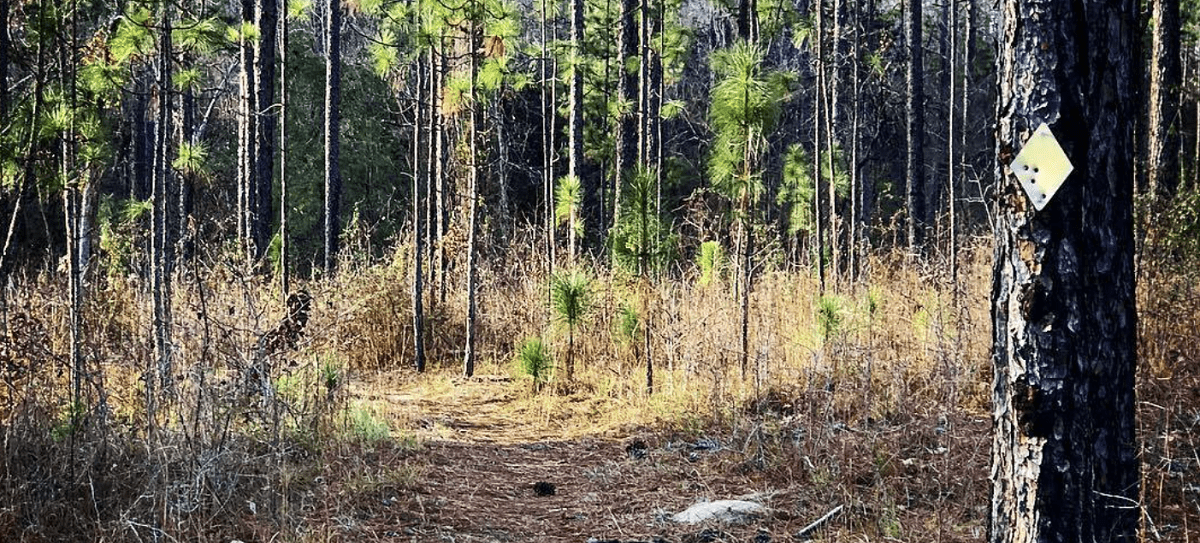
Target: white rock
720	510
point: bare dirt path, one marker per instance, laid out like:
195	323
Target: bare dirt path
494	464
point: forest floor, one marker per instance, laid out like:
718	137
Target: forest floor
469	456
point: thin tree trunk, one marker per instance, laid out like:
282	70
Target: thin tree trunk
472	206
184	244
418	321
968	59
1162	172
575	123
1064	452
745	244
74	233
852	224
284	245
266	15
333	174
506	219
951	151
248	198
660	91
160	244
915	132
143	164
4	46
818	64
831	109
439	170
431	169
643	128
547	143
627	92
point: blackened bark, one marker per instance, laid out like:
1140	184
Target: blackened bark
266	15
142	139
643	85
748	20
1162	171
333	173
161	242
4	46
1065	455
917	221
418	284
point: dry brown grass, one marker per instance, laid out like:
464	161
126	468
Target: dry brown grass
887	415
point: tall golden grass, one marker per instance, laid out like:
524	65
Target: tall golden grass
907	345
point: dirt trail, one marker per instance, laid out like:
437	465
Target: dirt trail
484	450
486	444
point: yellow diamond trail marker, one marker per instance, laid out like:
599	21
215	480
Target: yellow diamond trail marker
1041	166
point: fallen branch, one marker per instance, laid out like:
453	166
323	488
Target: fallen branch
804	532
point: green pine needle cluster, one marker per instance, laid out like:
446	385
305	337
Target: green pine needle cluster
534	360
571	295
568	198
712	261
746	105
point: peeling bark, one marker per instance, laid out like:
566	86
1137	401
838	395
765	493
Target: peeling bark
1064	455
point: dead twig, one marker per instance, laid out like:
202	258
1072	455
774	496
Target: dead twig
807	530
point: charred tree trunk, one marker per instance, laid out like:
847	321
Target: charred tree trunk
418	284
160	242
4	46
1064	452
266	15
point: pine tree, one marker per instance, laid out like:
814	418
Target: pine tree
744	110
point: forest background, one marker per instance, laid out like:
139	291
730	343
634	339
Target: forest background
225	221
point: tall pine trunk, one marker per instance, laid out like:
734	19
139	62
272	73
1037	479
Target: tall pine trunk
627	92
160	239
1162	173
4	47
472	201
333	173
418	290
266	15
915	131
284	246
247	139
575	122
1064	450
951	62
